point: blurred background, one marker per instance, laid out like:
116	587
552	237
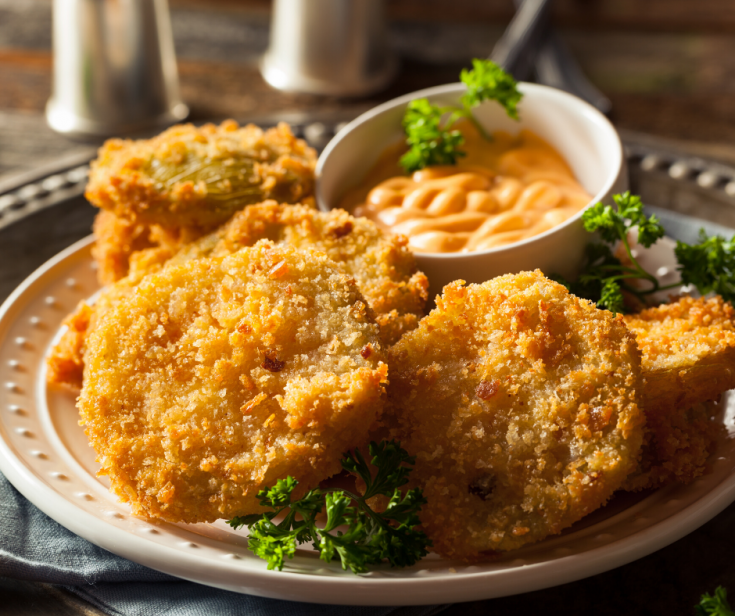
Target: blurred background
668	66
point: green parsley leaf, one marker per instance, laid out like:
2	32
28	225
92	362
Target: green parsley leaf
393	464
714	605
611	296
487	81
606	280
370	537
428	127
604	220
614	223
430	144
709	265
630	207
596	282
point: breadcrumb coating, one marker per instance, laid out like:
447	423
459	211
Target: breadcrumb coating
66	362
676	446
219	376
116	239
180	185
200	176
120	242
382	265
688	350
688	360
520	404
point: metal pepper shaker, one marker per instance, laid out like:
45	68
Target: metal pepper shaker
329	47
114	68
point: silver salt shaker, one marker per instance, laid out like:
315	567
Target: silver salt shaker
114	68
329	47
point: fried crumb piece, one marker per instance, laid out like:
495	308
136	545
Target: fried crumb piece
688	351
520	403
688	360
167	191
186	422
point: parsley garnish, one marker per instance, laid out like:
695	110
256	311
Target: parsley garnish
431	141
370	538
709	265
486	82
714	605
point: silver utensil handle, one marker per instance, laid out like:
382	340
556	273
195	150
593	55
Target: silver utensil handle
556	67
517	48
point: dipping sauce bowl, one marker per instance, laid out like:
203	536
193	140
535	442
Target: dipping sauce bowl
581	134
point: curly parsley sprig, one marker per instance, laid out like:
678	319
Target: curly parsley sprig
370	537
428	127
714	605
709	265
605	279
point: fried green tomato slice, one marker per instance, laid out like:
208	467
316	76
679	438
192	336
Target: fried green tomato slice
382	265
676	446
192	176
519	402
688	351
688	360
217	377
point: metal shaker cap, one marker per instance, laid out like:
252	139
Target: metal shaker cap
114	68
329	47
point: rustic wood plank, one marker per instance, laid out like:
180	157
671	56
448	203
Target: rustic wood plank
650	15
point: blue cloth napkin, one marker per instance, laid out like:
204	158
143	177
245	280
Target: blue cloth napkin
35	548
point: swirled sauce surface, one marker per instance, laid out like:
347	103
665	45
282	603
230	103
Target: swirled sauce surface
502	192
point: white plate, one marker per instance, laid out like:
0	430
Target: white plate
44	453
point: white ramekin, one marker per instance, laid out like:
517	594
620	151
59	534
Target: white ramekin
580	133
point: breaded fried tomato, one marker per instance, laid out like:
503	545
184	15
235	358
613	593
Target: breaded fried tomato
688	360
219	376
383	266
185	182
200	176
688	350
519	402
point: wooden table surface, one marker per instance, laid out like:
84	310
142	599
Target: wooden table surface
667	65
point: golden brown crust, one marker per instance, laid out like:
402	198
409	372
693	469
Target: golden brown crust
117	239
688	360
382	265
66	362
200	176
519	402
688	351
121	245
167	191
385	270
217	377
676	445
66	359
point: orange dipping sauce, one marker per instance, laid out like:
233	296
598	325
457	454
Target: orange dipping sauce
503	191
